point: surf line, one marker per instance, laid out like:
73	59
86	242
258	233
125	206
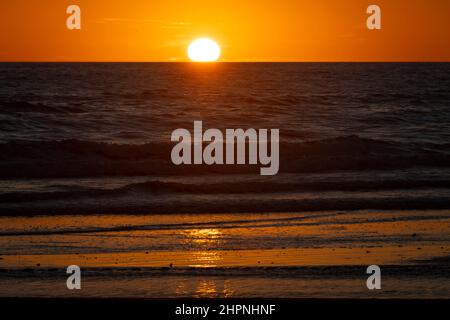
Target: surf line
235	140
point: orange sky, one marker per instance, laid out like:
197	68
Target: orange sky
247	30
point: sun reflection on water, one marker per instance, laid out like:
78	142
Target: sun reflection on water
204	237
206	289
204	259
213	288
204	243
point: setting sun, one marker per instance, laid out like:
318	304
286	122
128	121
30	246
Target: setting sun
204	50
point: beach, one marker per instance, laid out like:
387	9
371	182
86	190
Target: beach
291	255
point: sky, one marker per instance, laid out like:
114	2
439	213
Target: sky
246	30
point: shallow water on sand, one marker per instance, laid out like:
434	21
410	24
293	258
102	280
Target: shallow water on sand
231	254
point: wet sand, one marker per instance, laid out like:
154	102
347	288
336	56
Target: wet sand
320	254
384	255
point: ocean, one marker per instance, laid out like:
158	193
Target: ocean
86	177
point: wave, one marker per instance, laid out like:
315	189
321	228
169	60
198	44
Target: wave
29	107
141	204
76	158
239	187
307	272
247	223
306	220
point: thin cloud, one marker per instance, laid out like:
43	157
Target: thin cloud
161	23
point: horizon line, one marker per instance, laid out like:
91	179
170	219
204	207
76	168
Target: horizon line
225	62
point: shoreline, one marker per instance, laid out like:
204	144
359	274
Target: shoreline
289	255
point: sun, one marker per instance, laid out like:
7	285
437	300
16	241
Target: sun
203	50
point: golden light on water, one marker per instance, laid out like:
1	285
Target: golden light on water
207	289
204	50
204	236
206	241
